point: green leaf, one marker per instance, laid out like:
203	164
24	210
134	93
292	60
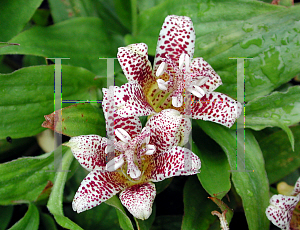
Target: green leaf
27	95
24	179
84	50
252	186
64	10
30	221
55	204
215	175
280	159
78	119
267	33
277	109
124	220
162	185
14	15
197	207
41	17
5	216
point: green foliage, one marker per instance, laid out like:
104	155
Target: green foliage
86	30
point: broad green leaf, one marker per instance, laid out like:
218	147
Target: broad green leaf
197	207
27	95
64	10
30	221
55	202
214	175
5	216
267	33
146	224
41	17
24	179
252	185
78	119
162	185
83	40
167	223
124	220
280	159
277	109
14	15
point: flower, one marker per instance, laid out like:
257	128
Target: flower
179	76
284	210
142	156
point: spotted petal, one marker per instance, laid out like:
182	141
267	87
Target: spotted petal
135	64
96	188
132	125
296	190
138	199
89	150
177	36
216	107
200	69
176	161
129	100
281	210
168	128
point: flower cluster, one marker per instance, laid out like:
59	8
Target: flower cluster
284	210
177	88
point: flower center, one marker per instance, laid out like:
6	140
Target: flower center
180	78
131	151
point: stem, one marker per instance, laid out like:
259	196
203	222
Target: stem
134	17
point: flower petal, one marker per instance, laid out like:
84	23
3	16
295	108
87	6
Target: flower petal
135	64
129	101
96	188
216	107
201	69
168	128
177	36
132	125
89	150
281	210
176	161
296	190
138	199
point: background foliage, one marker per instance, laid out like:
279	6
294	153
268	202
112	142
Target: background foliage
34	196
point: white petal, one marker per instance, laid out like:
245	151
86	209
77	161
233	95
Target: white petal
196	90
115	163
150	149
123	135
181	60
177	101
202	81
161	69
162	85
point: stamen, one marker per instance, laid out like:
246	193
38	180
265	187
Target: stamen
177	100
150	149
161	69
196	90
133	171
115	163
162	85
123	135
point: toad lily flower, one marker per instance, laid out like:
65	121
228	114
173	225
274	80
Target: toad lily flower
184	84
142	156
284	210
